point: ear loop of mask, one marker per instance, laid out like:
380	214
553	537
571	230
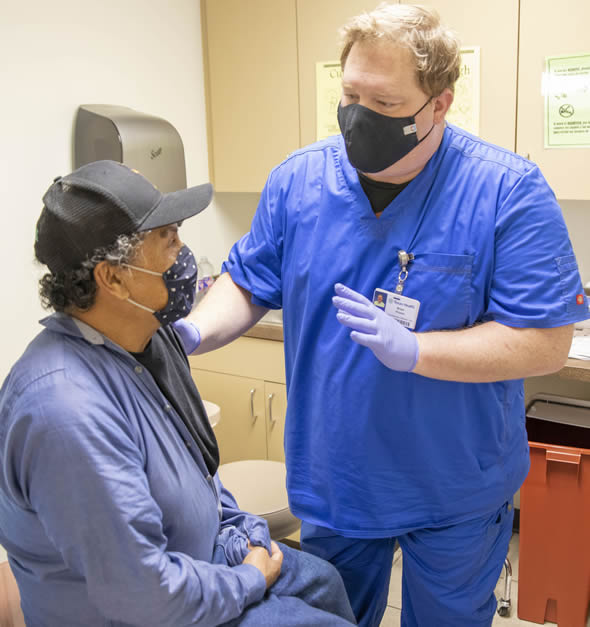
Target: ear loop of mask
417	112
128	265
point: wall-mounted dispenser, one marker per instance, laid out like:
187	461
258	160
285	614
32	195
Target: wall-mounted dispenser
141	141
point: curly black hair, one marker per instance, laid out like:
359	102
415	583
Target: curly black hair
76	288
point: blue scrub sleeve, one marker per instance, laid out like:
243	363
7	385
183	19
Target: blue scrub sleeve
85	480
535	282
255	260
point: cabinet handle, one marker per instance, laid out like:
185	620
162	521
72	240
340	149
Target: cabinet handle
270	416
252	414
562	456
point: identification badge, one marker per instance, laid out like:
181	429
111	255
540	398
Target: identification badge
403	309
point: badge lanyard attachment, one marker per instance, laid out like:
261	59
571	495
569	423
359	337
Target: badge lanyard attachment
404	259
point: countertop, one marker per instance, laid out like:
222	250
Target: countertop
266	331
574	369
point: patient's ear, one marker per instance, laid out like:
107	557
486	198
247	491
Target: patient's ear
112	280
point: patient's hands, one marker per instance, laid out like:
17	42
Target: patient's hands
268	565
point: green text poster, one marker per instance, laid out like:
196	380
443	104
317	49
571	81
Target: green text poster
566	86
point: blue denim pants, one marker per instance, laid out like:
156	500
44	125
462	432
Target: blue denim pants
448	577
309	592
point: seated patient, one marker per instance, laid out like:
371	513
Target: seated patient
111	510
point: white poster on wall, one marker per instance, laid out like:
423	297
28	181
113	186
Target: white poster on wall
328	91
464	111
566	87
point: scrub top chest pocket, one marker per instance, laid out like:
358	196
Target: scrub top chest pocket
442	284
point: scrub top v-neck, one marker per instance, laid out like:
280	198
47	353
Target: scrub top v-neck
372	452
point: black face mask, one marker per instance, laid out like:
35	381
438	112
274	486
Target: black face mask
373	141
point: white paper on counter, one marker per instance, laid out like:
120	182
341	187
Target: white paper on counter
580	347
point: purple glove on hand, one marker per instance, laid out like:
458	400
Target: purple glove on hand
394	346
189	334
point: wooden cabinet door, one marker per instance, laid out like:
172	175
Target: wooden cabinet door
276	408
550	29
241	431
318	23
250	56
245	357
493	26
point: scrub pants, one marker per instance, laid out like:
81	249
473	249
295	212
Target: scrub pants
308	592
449	573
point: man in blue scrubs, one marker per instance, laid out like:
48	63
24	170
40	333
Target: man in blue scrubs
405	421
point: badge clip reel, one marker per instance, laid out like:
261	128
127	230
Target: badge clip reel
404	259
403	309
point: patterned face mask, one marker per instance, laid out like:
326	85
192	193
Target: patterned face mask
180	281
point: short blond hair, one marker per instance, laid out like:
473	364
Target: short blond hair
434	47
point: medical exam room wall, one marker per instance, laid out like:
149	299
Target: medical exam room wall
144	54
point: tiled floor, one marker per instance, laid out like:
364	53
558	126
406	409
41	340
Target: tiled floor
392	615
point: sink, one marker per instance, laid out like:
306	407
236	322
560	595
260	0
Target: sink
273	316
213	412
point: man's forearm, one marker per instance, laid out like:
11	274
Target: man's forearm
492	352
224	314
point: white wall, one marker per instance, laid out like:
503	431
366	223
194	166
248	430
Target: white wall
577	218
145	54
54	56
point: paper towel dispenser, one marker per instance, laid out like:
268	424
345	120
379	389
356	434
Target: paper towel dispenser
141	141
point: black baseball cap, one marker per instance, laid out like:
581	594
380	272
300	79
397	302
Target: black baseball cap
91	207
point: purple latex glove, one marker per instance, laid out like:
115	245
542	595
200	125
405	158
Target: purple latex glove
394	346
189	334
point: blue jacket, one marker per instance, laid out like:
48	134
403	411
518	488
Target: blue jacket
372	452
107	511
